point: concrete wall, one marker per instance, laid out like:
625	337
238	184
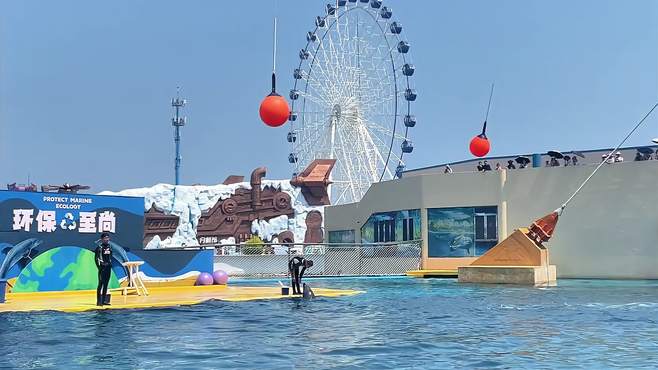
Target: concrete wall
610	230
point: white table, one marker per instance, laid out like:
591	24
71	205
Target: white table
135	283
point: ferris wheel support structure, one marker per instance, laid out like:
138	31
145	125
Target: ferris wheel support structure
352	97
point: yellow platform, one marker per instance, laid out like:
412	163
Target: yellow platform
432	273
78	301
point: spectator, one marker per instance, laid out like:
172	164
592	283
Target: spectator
548	164
638	157
618	157
480	167
499	167
609	159
510	165
554	162
448	169
486	166
574	161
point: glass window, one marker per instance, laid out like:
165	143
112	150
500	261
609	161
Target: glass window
486	224
451	232
391	226
492	227
462	231
384	231
480	225
341	236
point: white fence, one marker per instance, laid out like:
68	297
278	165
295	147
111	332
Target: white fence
271	260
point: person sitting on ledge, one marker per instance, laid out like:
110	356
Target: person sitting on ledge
486	166
510	165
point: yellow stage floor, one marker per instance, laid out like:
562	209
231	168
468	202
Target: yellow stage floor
78	301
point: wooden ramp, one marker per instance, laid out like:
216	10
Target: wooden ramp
78	301
518	259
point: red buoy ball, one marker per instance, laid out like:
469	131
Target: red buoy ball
480	146
274	110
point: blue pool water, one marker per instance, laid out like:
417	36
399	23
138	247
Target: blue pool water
398	323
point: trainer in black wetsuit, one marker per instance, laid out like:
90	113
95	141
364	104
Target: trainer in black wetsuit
104	264
294	266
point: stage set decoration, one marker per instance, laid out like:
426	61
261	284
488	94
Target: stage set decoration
47	242
236	210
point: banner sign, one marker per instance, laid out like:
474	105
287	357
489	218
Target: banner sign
47	242
70	219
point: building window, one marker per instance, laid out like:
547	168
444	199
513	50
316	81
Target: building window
408	229
392	226
384	231
462	231
341	236
486	227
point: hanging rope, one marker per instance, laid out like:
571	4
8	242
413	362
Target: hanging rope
564	205
489	105
274	49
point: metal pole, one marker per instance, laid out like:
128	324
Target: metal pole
177	122
178	157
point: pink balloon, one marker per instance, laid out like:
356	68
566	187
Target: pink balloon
204	279
220	277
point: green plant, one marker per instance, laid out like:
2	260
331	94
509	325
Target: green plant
253	245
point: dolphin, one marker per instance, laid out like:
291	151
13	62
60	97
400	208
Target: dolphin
118	252
461	241
17	253
308	292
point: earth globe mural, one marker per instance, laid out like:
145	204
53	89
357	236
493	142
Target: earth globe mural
80	272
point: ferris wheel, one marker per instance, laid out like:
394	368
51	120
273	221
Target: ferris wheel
352	97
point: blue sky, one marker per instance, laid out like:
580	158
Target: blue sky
85	86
